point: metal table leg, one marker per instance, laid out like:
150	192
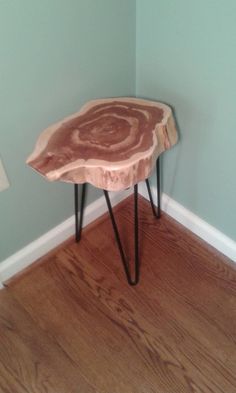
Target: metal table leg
79	220
156	212
131	281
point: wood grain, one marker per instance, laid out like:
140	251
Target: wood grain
112	143
29	360
72	324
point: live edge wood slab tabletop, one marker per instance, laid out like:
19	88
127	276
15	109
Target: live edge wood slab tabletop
111	143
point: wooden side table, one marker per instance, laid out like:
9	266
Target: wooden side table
112	144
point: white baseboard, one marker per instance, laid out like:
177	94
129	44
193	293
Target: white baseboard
35	250
196	225
29	254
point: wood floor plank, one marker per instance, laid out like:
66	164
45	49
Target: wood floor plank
174	332
184	274
149	336
89	335
29	360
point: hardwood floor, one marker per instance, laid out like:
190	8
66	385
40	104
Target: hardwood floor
71	323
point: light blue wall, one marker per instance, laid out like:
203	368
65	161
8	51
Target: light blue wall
186	56
55	55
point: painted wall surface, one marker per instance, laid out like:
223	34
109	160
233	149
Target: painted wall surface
55	55
186	56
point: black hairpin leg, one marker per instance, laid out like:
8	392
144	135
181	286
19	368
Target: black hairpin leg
156	212
79	220
131	281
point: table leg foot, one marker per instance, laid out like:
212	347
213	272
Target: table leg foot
135	279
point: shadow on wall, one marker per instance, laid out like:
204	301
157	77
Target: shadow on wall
182	154
175	152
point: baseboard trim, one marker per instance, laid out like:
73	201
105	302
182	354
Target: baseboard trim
38	248
35	250
195	224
